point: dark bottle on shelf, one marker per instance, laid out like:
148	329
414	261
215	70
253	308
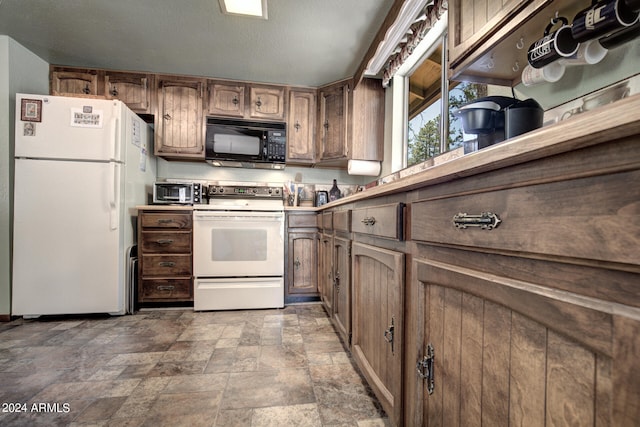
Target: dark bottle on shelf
334	193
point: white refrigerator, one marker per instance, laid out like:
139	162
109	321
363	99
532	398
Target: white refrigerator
81	166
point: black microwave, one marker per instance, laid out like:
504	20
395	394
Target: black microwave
239	143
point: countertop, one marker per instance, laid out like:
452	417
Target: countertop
616	120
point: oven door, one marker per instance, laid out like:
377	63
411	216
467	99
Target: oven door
238	243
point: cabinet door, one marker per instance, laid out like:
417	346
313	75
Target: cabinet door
74	83
471	22
508	352
267	102
180	129
342	281
377	344
301	126
325	276
333	123
302	264
226	99
131	88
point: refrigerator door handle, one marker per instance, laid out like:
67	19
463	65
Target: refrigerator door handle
114	140
114	195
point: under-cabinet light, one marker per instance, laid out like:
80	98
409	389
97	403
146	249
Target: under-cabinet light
255	8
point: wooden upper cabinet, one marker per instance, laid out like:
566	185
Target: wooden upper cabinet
74	82
134	89
179	120
267	102
366	121
226	99
301	126
471	22
332	126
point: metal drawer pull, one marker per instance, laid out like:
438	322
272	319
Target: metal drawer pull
165	288
167	264
486	220
164	241
368	220
425	368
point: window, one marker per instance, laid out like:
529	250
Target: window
424	108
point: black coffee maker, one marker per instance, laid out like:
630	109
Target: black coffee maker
496	118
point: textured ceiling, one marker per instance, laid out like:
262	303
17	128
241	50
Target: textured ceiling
304	42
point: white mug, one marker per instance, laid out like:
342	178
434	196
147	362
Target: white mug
590	52
548	74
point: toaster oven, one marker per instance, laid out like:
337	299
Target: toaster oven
172	193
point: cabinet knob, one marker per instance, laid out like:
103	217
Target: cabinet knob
167	116
235	100
114	91
259	103
296	263
297	126
326	124
369	220
86	89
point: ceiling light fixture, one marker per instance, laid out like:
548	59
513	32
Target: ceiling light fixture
254	8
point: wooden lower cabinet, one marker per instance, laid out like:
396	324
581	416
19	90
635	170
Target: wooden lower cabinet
301	272
508	353
325	273
165	256
377	342
342	287
302	265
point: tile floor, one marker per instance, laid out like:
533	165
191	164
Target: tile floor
180	368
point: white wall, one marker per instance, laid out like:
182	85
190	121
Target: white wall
306	175
20	71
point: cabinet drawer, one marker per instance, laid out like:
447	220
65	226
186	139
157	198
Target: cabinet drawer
166	265
166	220
592	218
302	220
166	289
342	221
381	221
166	242
327	221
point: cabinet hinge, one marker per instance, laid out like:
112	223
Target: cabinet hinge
425	368
350	338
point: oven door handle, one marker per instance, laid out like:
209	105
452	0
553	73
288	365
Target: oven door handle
235	216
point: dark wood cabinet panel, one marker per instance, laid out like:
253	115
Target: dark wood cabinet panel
180	130
342	287
301	124
165	251
302	263
378	316
501	363
134	89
